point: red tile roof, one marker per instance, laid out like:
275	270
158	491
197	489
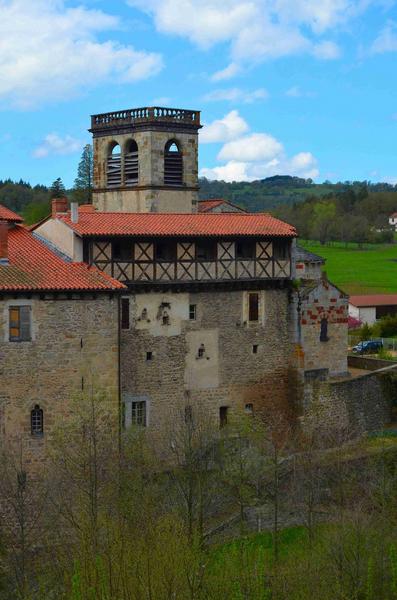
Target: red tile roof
182	224
209	205
34	267
374	300
8	215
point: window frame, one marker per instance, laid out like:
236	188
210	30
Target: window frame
136	405
125	322
245	249
37	416
23	323
223	416
193	311
253	310
324	330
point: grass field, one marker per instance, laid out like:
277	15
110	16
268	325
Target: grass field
372	270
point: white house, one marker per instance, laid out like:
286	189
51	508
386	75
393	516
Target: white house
368	309
393	220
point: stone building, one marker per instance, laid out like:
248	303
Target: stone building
58	333
174	309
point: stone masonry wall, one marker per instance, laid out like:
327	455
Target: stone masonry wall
325	302
358	405
74	345
231	373
142	198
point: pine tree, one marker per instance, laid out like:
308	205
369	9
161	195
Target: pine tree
82	191
57	189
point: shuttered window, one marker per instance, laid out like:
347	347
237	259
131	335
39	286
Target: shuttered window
20	323
173	164
253	307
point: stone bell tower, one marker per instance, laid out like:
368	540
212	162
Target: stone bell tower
146	160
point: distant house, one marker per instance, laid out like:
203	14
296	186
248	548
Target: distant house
393	220
218	205
308	264
368	309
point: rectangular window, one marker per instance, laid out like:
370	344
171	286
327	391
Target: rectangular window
19	324
192	312
206	250
255	349
122	250
253	307
165	251
324	330
138	413
149	355
223	416
125	313
246	250
281	250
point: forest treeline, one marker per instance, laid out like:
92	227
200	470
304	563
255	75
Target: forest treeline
106	521
358	215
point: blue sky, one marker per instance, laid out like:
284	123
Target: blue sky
300	87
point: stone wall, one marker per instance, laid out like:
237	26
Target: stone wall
367	363
74	348
324	301
150	194
242	363
356	405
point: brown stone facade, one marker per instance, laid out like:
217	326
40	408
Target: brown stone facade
218	359
73	349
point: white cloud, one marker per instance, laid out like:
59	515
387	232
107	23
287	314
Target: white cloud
255	29
236	95
224	130
54	144
253	147
326	50
296	92
226	73
48	51
253	156
386	40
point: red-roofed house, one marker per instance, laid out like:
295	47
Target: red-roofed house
369	308
59	338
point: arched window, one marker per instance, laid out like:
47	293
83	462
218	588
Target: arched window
173	164
37	421
131	167
113	172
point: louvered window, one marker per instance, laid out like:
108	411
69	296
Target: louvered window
114	166
131	166
173	164
37	421
20	324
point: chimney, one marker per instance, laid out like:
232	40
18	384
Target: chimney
74	212
3	243
59	206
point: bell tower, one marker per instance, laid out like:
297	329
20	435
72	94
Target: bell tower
146	160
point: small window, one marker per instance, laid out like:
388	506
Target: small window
281	250
192	312
166	318
173	164
206	250
122	250
165	251
20	323
246	250
223	411
253	307
149	355
249	409
324	330
125	313
37	421
138	413
201	351
255	349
